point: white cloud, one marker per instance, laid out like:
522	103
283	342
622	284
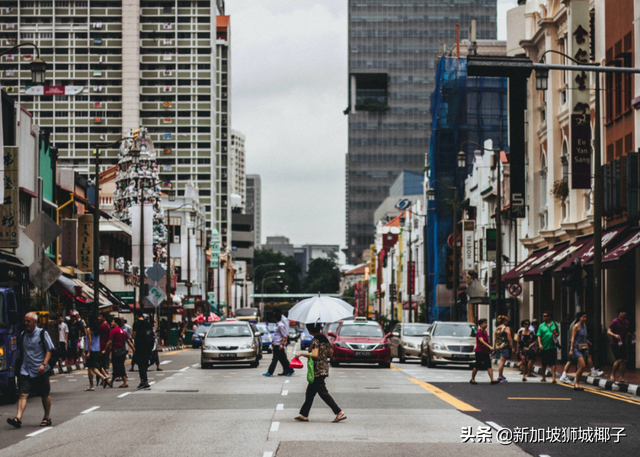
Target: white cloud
288	91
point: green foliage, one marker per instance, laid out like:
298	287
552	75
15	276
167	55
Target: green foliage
290	277
323	276
373	105
349	295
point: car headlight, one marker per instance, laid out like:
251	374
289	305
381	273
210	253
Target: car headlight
211	347
383	346
409	345
438	346
247	346
341	345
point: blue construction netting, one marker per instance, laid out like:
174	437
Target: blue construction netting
463	109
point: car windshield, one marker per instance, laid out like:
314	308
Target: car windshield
231	331
414	330
361	330
262	327
202	329
244	312
332	327
456	330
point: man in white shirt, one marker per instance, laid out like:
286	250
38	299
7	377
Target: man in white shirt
63	337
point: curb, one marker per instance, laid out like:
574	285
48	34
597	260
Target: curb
80	366
633	389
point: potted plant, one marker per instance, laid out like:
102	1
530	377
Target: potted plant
560	190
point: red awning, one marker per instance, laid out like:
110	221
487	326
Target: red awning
612	258
585	253
513	277
555	255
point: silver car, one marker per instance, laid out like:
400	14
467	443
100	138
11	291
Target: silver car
406	340
231	342
449	342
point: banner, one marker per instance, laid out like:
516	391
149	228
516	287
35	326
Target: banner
9	194
135	234
580	151
69	243
85	243
189	257
468	245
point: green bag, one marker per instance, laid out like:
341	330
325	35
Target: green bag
310	372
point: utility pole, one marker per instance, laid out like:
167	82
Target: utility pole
96	238
498	236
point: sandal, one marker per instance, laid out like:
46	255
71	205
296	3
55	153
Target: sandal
17	423
578	388
301	419
89	389
472	382
122	386
340	417
45	422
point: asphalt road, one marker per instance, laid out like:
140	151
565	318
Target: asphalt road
408	410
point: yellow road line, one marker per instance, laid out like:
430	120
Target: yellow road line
538	398
393	367
442	395
608	394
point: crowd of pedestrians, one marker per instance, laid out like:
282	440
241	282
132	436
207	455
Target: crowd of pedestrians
542	340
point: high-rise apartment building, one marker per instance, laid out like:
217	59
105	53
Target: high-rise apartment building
254	205
393	55
237	180
159	64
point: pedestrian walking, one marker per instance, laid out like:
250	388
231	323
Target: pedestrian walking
483	353
74	339
320	351
82	348
579	346
127	328
526	348
155	358
572	361
143	339
116	345
503	344
36	348
280	337
94	363
63	337
548	334
618	331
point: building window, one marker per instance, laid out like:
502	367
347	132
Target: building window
24	213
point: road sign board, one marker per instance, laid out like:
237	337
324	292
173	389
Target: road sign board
515	290
156	272
450	240
43	231
156	296
51	272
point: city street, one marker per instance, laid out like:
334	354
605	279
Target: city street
235	411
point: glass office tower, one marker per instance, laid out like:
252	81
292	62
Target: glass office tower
394	48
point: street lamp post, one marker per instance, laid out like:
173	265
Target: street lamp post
172	198
38	66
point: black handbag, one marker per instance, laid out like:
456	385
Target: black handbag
120	352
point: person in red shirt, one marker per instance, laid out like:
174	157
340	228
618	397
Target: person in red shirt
104	321
483	353
118	339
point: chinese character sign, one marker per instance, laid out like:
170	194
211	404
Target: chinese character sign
85	243
579	50
9	197
580	152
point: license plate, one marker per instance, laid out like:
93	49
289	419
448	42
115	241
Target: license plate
228	356
461	357
362	353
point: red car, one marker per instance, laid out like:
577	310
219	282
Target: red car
360	341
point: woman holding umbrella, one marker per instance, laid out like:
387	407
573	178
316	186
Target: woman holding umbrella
320	351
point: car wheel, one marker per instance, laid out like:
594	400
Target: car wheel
402	358
430	363
384	364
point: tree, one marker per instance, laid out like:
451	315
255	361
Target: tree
290	277
349	295
323	276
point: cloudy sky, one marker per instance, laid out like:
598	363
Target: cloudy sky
288	89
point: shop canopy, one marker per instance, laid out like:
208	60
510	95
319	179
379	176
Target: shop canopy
585	252
555	255
513	277
627	245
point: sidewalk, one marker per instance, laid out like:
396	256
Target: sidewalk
80	366
631	384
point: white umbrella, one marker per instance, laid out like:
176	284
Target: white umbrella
320	310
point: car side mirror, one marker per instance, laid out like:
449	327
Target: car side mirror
201	335
331	334
425	334
395	333
13	317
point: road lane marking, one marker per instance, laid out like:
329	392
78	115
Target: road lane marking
612	395
72	380
538	398
442	395
274	426
279	406
285	392
267	454
40	431
124	394
287	381
195	364
87	411
494	425
152	383
185	369
393	367
165	362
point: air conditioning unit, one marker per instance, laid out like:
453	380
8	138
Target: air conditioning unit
176	238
